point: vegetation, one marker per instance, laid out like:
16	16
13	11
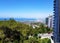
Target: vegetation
12	31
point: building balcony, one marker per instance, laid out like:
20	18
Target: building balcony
54	1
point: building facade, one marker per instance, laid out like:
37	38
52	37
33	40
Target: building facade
46	21
56	21
49	21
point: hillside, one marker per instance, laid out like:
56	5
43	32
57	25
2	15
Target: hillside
13	31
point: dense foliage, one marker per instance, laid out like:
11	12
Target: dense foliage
17	32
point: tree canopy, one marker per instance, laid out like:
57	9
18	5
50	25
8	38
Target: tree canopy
17	32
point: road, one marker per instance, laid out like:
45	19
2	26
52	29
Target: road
46	35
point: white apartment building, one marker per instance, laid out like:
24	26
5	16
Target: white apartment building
49	21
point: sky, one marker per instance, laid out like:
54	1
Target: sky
26	8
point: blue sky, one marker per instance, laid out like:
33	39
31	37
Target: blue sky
26	8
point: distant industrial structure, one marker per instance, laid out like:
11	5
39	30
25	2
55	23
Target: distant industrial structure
49	21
